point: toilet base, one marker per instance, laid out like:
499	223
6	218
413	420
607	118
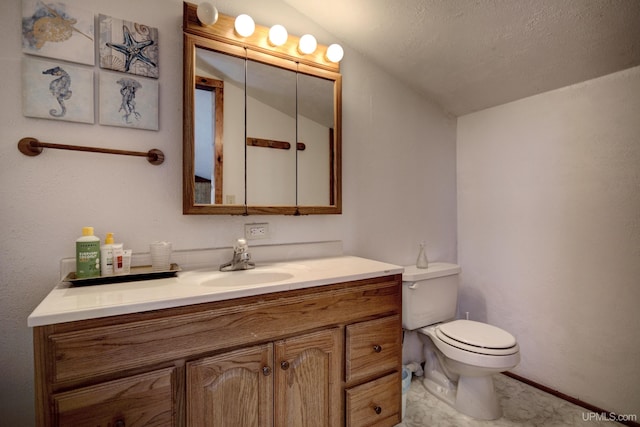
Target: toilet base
477	398
446	393
472	396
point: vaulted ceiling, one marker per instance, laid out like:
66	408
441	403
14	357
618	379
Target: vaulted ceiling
468	55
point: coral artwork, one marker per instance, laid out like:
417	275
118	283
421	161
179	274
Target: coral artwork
57	30
128	101
128	47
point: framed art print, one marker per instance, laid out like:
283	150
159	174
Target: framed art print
58	30
128	101
56	90
128	47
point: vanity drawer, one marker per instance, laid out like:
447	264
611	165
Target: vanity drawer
376	403
140	400
373	347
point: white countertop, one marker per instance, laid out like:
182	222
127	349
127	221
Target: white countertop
67	303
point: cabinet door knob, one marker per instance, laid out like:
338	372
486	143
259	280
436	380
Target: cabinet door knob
378	409
284	365
266	371
377	348
119	423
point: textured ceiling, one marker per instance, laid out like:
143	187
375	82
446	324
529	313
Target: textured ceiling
468	55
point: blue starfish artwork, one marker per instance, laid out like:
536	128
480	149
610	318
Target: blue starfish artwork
132	50
129	47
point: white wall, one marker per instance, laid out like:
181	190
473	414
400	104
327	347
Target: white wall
549	234
400	171
393	141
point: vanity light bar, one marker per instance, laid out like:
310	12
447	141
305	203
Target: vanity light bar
224	29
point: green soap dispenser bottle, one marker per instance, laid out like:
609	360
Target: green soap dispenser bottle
87	254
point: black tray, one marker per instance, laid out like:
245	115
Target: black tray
143	272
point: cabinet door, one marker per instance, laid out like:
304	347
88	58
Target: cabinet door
231	389
140	400
308	380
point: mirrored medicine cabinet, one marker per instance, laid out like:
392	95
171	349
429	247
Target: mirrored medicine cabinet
261	124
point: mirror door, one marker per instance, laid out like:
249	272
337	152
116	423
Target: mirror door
316	141
271	135
219	106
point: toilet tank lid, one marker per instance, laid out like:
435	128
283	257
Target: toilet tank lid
436	269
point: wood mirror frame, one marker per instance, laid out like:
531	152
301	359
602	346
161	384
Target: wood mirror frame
221	37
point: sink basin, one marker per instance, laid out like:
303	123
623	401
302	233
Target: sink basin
247	278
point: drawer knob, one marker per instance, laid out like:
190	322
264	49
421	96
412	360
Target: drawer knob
284	365
377	348
119	423
266	371
378	409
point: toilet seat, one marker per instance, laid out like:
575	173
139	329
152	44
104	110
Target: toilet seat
477	337
477	356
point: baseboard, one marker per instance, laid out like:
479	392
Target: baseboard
589	407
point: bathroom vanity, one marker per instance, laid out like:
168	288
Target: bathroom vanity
318	342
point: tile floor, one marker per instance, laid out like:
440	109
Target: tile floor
522	405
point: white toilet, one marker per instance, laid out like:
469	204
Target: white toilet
460	356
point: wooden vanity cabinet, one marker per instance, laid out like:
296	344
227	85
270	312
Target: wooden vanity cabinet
321	356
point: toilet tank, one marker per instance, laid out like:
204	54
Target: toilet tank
429	295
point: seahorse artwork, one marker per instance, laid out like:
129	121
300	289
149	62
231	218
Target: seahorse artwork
128	88
60	89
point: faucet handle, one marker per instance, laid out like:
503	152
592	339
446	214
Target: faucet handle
241	246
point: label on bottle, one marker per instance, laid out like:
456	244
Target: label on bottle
87	259
118	262
106	268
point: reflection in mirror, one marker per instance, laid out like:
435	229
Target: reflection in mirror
219	128
271	135
316	156
208	152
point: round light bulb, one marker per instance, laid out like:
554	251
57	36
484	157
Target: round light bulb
307	44
244	25
335	53
207	13
278	35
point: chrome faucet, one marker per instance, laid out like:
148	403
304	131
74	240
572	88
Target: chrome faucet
241	258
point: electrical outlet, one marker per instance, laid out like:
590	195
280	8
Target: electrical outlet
256	231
